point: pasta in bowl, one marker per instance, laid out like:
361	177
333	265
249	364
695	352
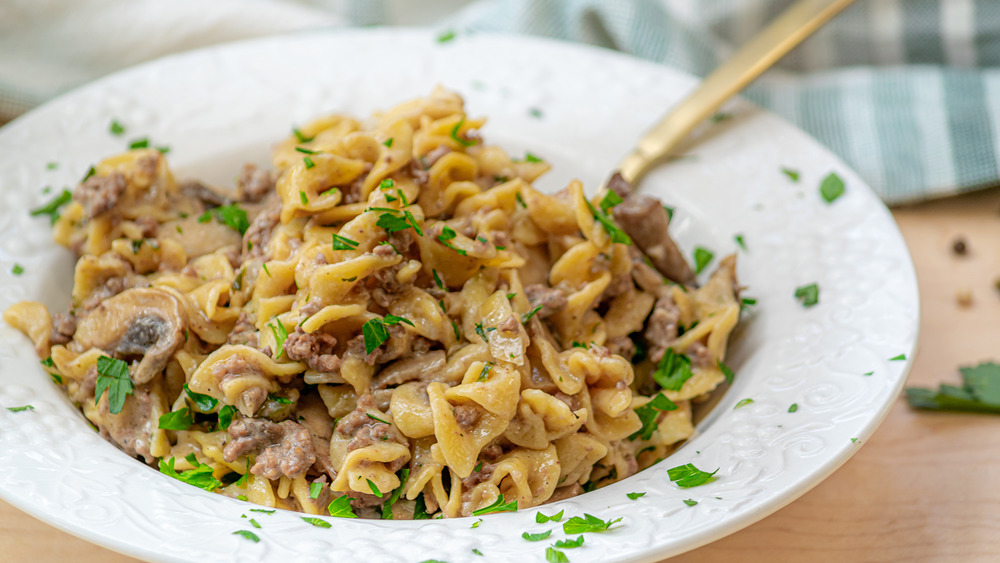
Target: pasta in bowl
394	323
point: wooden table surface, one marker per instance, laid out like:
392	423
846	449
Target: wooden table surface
923	488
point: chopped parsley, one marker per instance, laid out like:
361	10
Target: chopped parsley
113	376
634	496
341	508
229	215
536	537
459	139
528	157
303	197
247	535
497	506
304	150
318	522
481	332
201	476
474	524
300	136
392	223
617	235
388	142
177	420
483	376
520	200
205	403
869	373
476	551
794	407
831	188
588	523
375	334
226	416
343	243
52	166
720	117
254	523
315	489
808	294
690	502
979	392
726	372
553	555
898	358
743	403
308	161
610	200
541	518
90	172
447	234
687	476
386	184
648	414
265	511
116	128
569	544
404	474
446	36
280	335
747	302
374	488
21	409
437	280
52	208
740	241
139	143
527	316
673	370
375	418
279	399
702	257
792	174
17	270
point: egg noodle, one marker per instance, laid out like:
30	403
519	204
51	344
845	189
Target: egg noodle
394	324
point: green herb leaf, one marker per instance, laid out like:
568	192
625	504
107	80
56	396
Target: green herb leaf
794	407
831	188
390	320
21	409
690	502
740	241
980	392
177	420
610	200
474	524
279	399
520	200
541	518
139	143
374	488
404	474
388	142
497	506
301	137
280	335
247	535
315	489
116	128
201	476
536	537
476	551
392	223
52	166
263	510
455	136
341	508
673	370
113	375
527	316
743	403
446	36
793	174
52	208
702	257
898	358
303	197
17	270
254	523
226	416
634	496
528	157
484	375
375	334
553	555
205	403
648	413
318	522
343	243
569	544
617	235
242	481
808	294
375	418
481	332
437	280
308	161
588	523
726	372
229	215
687	476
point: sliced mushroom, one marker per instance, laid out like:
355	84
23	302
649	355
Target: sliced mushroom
137	323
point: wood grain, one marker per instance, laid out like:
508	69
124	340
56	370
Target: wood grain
922	489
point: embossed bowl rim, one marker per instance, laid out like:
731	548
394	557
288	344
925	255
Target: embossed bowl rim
220	106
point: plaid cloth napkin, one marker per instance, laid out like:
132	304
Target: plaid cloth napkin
906	91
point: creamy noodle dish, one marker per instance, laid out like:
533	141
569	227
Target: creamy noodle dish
393	323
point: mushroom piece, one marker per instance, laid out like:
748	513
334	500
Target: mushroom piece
141	323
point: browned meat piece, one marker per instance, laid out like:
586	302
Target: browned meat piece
661	327
311	308
315	349
384	251
623	346
63	327
466	416
572	401
132	428
254	184
231	368
699	354
365	430
645	276
646	221
428	366
259	233
563	493
618	185
85	391
282	449
480	475
550	298
208	196
631	466
100	193
510	324
244	331
619	285
434	156
148	225
492	451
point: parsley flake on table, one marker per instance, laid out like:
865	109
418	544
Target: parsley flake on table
52	207
743	403
497	506
702	257
792	174
831	188
113	376
341	508
247	534
648	413
687	476
200	476
318	522
634	496
673	370
617	235
587	523
793	407
21	409
536	537
569	544
541	518
979	392
808	294
181	419
229	215
553	555
690	502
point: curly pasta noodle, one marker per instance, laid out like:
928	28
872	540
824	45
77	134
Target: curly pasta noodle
394	315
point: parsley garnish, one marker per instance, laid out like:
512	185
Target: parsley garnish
374	488
831	188
301	137
113	375
262	510
476	551
728	373
446	36
869	373
343	243
205	403
474	524
393	223
460	140
794	407
247	534
793	174
52	166
687	476
541	518
201	476
318	522
373	417
254	523
690	502
747	302
497	506
702	256
648	414
739	240
341	508
743	403
483	376
21	409
375	334
979	392
315	489
280	335
527	316
242	481
437	280
520	200
610	200
52	208
90	172
589	523
229	215
308	161
553	555
898	358
634	496
387	506
116	128
536	537
279	399
304	150
528	157
617	235
388	142
139	143
673	370
17	270
569	544
481	332
535	112
226	416
177	420
386	184
303	197
808	294
447	233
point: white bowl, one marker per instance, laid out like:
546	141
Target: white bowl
219	107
